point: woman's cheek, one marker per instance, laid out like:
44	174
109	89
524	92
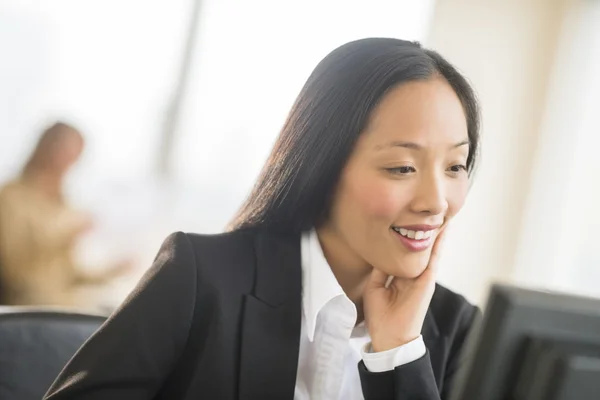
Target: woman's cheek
457	195
384	200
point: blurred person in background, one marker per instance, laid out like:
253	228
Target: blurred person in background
38	229
324	286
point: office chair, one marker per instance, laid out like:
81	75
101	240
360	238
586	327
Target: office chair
35	344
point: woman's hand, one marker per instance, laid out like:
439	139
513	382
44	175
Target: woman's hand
394	315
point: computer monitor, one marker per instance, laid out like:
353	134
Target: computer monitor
533	345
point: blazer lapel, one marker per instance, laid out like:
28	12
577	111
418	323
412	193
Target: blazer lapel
272	321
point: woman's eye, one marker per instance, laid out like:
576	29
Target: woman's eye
406	169
457	168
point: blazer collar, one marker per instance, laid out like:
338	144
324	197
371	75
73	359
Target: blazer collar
278	272
271	321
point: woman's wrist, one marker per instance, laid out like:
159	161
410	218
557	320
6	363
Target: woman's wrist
384	345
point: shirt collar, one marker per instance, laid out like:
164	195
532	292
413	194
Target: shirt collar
319	285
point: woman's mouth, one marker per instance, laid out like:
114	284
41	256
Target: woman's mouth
413	239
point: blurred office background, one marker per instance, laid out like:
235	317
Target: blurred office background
181	100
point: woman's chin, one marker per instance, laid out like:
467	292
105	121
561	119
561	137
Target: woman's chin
412	273
410	267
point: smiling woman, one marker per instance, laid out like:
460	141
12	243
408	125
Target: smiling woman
324	287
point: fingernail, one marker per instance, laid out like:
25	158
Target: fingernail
389	280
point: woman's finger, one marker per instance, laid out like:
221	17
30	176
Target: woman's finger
378	278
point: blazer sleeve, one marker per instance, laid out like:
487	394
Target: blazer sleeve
416	380
133	352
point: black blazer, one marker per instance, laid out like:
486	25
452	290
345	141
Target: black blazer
218	317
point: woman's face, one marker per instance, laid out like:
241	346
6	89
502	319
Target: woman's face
405	179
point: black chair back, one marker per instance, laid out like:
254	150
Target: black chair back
35	345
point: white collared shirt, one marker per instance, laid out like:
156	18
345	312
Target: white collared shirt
331	344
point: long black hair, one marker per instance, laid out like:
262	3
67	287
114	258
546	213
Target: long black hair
295	188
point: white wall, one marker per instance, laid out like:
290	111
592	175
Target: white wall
559	240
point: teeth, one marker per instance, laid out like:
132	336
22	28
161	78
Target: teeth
417	235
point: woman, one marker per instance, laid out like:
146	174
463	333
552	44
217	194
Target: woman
38	229
324	286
